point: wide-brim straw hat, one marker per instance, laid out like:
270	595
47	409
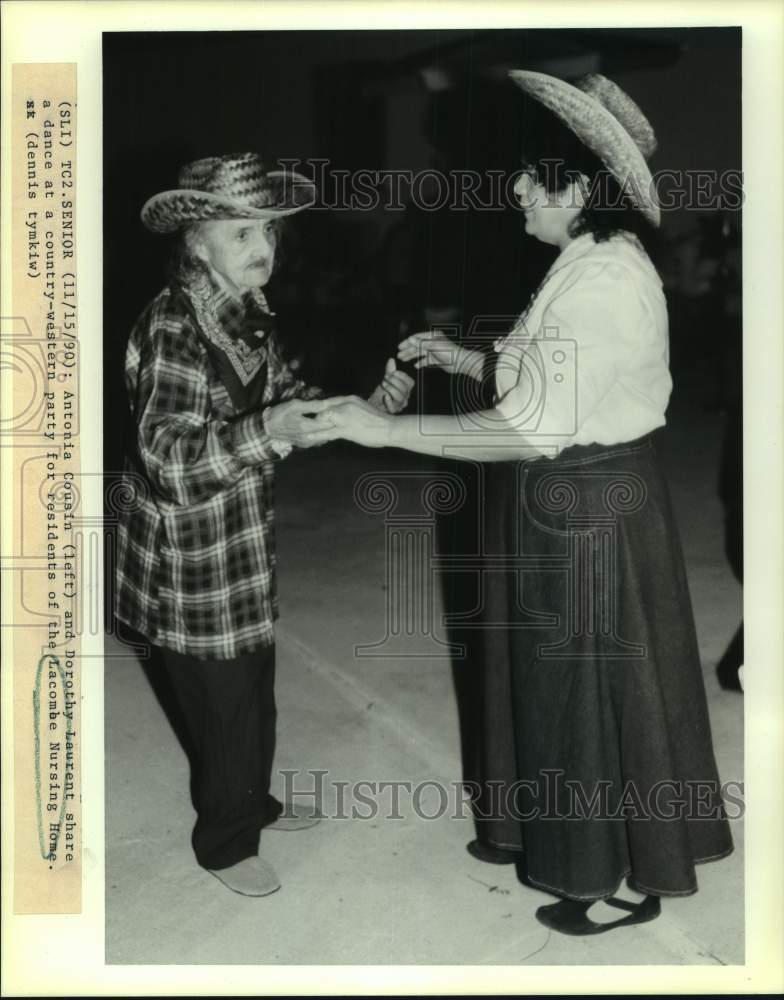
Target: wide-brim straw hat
228	187
610	124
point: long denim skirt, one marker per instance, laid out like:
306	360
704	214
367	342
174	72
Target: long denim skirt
596	752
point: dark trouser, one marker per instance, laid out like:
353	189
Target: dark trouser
229	710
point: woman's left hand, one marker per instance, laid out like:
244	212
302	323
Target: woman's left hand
353	419
392	395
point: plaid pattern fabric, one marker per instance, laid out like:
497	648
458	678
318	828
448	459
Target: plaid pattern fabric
196	559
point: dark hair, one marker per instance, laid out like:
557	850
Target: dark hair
556	156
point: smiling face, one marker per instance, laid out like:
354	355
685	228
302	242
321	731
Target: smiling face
241	251
549	216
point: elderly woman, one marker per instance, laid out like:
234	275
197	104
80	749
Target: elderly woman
595	711
214	408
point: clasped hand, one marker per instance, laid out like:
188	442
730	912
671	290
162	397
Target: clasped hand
367	422
305	423
353	419
293	421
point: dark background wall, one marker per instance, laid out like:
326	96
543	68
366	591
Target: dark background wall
404	99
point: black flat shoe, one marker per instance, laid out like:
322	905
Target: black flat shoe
492	855
569	915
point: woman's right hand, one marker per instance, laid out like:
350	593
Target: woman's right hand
352	419
430	348
292	422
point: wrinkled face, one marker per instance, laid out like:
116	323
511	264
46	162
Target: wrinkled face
242	251
548	216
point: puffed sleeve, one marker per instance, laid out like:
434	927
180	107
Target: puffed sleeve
586	335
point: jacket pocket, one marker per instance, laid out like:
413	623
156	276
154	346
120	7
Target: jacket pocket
197	568
192	531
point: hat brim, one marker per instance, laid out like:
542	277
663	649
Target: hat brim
285	193
601	132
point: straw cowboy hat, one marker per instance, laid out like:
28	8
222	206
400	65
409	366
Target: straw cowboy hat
227	187
610	124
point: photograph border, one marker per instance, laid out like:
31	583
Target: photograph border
71	32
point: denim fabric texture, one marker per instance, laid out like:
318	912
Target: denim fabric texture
592	680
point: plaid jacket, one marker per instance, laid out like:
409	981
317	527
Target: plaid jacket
196	559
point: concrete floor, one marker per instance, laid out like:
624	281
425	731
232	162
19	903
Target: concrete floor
373	891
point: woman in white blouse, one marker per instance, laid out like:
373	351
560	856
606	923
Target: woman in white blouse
596	727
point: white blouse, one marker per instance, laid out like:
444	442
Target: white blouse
588	361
